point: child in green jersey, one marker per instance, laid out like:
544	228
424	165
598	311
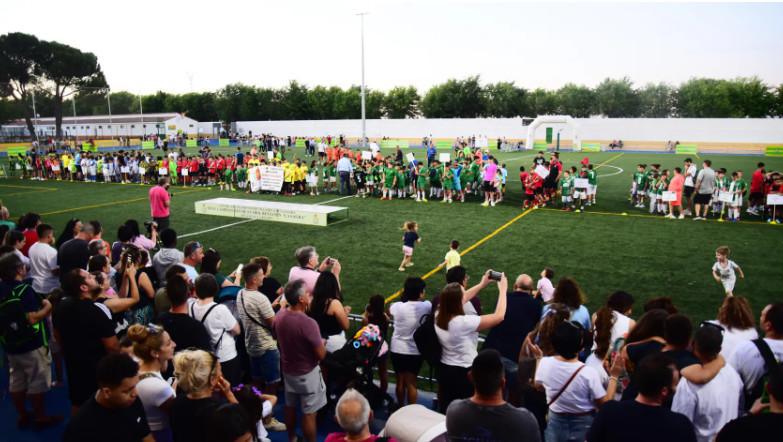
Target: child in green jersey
389	181
241	176
592	184
566	190
638	186
721	185
737	187
228	179
436	172
448	184
401	182
422	172
662	185
652	183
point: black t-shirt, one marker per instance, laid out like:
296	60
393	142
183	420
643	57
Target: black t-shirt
468	421
522	315
632	421
95	422
82	326
759	427
185	331
73	254
682	358
189	416
409	239
270	287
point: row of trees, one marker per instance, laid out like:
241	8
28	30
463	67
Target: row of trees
57	73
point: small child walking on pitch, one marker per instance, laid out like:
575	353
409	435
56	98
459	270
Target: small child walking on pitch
724	268
452	258
409	240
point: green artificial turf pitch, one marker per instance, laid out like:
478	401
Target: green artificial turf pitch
602	249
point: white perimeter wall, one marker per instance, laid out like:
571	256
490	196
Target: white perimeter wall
746	130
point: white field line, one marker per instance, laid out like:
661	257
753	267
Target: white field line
619	171
248	220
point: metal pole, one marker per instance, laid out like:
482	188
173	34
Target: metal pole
35	118
364	120
108	99
73	103
141	111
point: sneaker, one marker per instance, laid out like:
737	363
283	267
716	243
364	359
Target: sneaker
485	204
577	211
410	264
670	216
402	269
681	216
425	200
275	425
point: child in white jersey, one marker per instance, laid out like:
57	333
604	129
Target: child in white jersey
724	270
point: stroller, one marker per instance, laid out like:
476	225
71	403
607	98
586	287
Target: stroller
352	367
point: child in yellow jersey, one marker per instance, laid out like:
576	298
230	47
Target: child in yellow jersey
301	174
288	178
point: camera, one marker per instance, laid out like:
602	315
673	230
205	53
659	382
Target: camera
329	261
495	276
149	225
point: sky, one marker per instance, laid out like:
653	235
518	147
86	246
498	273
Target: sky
182	46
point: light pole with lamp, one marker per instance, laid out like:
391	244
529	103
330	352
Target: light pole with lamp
364	90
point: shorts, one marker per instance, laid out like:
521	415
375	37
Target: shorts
489	186
309	390
30	372
737	201
266	366
702	198
538	190
687	191
406	363
566	199
458	187
529	197
591	188
579	194
728	284
407	251
641	193
332	179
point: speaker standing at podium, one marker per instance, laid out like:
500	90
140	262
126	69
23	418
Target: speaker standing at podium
160	203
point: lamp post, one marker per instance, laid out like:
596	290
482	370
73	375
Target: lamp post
364	90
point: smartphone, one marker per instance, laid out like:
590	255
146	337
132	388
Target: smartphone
329	261
238	271
495	276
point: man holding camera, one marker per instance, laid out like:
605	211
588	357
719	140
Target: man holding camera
160	203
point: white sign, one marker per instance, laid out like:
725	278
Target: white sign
581	183
667	196
163	171
271	177
142	171
774	199
374	147
366	155
444	157
725	197
410	157
543	172
184	172
270	155
55	168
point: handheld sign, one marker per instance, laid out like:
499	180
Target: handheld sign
667	196
543	172
410	157
184	172
366	155
270	155
580	183
725	197
163	171
444	157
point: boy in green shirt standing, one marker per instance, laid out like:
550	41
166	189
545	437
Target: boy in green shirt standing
422	172
566	190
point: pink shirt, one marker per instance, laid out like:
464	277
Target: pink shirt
676	184
308	275
490	170
159	197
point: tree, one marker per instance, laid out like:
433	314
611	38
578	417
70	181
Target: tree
199	106
542	102
617	98
401	102
295	103
574	100
704	98
751	98
123	102
778	106
69	71
20	57
505	99
454	99
657	101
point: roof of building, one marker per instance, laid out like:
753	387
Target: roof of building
106	119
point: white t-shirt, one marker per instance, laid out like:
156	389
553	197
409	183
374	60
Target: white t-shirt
406	317
690	174
190	271
460	341
580	396
726	273
709	406
43	260
732	337
620	327
153	392
749	363
218	323
546	289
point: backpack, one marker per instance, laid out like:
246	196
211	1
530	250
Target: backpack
216	346
426	339
15	330
769	364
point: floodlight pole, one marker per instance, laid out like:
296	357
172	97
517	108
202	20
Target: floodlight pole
35	118
108	100
364	119
73	105
141	112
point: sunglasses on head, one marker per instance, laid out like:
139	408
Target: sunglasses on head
712	324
